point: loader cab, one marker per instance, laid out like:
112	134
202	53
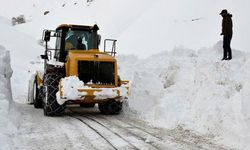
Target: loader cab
73	37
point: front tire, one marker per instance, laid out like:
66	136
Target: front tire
51	87
110	108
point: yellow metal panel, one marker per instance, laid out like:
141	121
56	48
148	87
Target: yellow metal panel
100	86
116	74
90	92
124	82
87	55
60	88
67	67
39	80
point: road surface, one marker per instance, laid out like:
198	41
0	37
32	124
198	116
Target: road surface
85	128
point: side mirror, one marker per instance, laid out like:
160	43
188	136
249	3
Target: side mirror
99	39
46	36
44	57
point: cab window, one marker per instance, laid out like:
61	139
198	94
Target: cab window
78	40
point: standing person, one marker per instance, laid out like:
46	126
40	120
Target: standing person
227	32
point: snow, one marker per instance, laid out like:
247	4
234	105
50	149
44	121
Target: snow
55	63
176	76
106	93
195	90
5	98
70	87
155	26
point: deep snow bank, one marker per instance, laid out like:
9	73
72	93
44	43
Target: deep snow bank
25	52
5	97
193	89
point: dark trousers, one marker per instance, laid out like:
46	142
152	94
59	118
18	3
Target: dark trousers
226	46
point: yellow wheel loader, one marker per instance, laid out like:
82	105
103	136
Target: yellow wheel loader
77	72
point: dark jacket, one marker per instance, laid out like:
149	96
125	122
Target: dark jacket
227	25
81	46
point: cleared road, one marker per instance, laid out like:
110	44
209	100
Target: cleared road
84	128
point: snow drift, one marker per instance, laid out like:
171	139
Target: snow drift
5	97
193	89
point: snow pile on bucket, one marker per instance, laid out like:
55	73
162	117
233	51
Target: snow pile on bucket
194	90
71	85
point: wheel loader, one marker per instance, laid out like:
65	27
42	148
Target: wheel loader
77	72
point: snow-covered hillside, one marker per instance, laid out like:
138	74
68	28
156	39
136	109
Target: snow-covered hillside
142	27
165	49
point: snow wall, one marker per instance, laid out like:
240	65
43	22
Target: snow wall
193	89
5	97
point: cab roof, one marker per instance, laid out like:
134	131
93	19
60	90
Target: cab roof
84	27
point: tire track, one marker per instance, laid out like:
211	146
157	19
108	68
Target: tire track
171	137
130	125
134	136
81	120
152	141
132	140
111	131
138	135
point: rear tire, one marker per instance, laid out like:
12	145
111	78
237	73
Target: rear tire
36	98
50	105
30	99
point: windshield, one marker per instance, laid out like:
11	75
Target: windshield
78	40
